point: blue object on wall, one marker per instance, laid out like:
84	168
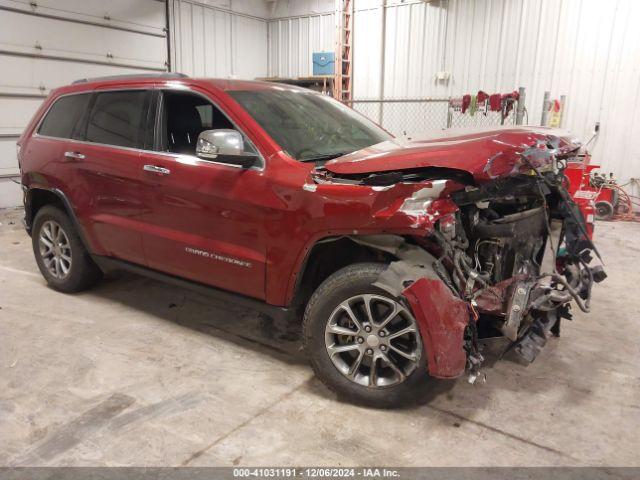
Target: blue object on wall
323	63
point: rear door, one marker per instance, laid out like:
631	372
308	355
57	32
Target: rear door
206	222
108	164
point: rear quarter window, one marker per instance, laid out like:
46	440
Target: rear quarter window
64	117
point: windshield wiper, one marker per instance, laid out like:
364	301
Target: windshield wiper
326	156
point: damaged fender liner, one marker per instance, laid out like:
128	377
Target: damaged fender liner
442	317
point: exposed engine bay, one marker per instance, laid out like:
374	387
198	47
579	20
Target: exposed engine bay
519	255
508	254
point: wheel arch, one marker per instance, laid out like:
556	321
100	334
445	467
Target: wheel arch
327	256
37	197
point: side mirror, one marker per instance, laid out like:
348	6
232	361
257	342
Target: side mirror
226	146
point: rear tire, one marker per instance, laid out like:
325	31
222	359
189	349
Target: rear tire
366	362
60	254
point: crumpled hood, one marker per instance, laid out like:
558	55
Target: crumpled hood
485	154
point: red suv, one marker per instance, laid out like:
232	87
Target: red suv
398	253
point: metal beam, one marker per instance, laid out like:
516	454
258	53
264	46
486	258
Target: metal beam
78	60
168	30
225	10
361	9
79	21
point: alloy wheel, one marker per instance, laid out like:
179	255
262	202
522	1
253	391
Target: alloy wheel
55	249
373	341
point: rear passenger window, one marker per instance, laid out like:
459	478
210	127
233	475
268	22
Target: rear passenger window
118	118
63	118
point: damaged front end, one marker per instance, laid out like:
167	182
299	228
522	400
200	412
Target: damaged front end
521	258
508	256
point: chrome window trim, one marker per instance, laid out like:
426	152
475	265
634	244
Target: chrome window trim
174	156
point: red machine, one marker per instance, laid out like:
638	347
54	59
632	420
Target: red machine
578	183
593	191
586	186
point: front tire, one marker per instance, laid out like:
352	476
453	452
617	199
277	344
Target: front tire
362	342
61	257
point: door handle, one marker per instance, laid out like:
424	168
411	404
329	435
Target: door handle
74	156
156	169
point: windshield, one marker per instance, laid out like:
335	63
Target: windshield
309	126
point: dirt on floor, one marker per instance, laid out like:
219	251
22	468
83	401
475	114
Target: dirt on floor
139	373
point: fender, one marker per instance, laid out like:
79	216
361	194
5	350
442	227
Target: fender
28	211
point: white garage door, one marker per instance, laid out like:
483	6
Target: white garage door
48	43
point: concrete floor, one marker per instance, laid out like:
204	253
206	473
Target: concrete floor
136	372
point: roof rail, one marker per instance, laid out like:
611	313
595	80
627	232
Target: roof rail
132	76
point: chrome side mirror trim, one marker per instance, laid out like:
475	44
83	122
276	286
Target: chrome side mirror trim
212	143
226	146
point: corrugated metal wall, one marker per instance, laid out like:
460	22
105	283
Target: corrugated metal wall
293	40
210	41
52	42
588	50
414	45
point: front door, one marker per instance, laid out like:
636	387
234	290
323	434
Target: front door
205	221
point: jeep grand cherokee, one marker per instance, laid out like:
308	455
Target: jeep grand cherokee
398	254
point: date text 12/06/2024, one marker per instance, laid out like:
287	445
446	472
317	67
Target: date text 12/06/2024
315	473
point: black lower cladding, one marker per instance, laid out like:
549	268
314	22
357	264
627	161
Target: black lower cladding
107	264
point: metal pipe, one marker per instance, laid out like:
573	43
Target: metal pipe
545	109
520	109
383	42
583	305
22	95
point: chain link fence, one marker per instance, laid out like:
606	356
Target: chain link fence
413	116
406	117
482	115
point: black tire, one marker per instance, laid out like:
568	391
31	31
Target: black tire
349	282
82	272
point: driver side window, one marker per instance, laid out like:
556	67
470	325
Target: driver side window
184	116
